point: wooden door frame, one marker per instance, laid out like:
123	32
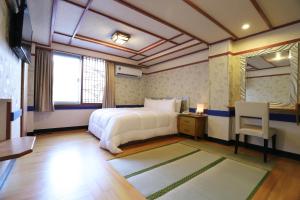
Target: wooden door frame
8	120
24	110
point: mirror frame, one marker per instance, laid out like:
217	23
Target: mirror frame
294	48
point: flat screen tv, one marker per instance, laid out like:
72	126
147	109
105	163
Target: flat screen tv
20	36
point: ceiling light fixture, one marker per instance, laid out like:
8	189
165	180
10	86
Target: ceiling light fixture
120	38
278	56
245	26
290	55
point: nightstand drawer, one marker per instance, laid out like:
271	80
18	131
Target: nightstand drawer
187	129
187	121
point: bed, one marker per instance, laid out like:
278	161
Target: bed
116	126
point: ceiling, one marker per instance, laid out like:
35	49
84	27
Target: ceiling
160	30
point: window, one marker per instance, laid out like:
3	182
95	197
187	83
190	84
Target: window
66	79
93	80
77	80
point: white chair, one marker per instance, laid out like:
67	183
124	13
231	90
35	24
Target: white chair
253	110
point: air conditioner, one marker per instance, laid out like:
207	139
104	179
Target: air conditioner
128	71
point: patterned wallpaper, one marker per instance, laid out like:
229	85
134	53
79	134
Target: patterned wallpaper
218	83
10	68
269	89
191	81
129	91
234	80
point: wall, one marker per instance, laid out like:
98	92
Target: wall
10	71
129	91
191	81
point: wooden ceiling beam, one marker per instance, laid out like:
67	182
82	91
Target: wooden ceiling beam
202	12
167	49
80	20
197	51
171	52
156	44
133	7
53	18
119	21
262	14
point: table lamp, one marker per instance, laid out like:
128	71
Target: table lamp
200	109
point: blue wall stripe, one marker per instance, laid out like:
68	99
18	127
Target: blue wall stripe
231	113
30	108
80	107
15	115
129	106
219	113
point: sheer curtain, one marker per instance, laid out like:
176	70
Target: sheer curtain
43	87
109	88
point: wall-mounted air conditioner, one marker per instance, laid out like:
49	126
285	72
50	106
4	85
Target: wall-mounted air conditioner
128	71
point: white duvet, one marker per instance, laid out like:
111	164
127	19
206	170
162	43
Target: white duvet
116	126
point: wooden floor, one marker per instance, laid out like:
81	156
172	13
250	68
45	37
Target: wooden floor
70	165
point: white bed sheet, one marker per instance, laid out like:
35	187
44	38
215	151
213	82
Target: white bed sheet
116	126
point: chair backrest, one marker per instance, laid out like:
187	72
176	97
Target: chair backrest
255	110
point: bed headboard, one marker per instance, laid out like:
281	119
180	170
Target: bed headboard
185	102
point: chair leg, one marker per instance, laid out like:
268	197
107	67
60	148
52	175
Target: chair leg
245	140
265	149
274	144
237	138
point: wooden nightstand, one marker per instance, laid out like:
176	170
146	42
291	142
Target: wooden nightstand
191	124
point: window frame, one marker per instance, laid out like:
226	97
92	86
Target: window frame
81	105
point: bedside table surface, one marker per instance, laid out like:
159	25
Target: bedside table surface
192	115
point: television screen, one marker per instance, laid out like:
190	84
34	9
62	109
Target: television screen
21	32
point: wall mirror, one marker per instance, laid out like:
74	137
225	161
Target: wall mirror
271	75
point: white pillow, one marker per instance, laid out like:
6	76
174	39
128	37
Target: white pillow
177	105
167	105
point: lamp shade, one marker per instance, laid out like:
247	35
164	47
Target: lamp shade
200	108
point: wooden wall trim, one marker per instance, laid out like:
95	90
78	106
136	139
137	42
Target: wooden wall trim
8	120
267	46
202	12
261	13
177	67
255	49
133	7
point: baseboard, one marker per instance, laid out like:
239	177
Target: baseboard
280	153
219	141
277	153
50	130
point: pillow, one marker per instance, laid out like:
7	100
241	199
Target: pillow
161	105
177	105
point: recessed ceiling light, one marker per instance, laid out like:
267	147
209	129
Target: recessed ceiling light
245	26
120	38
